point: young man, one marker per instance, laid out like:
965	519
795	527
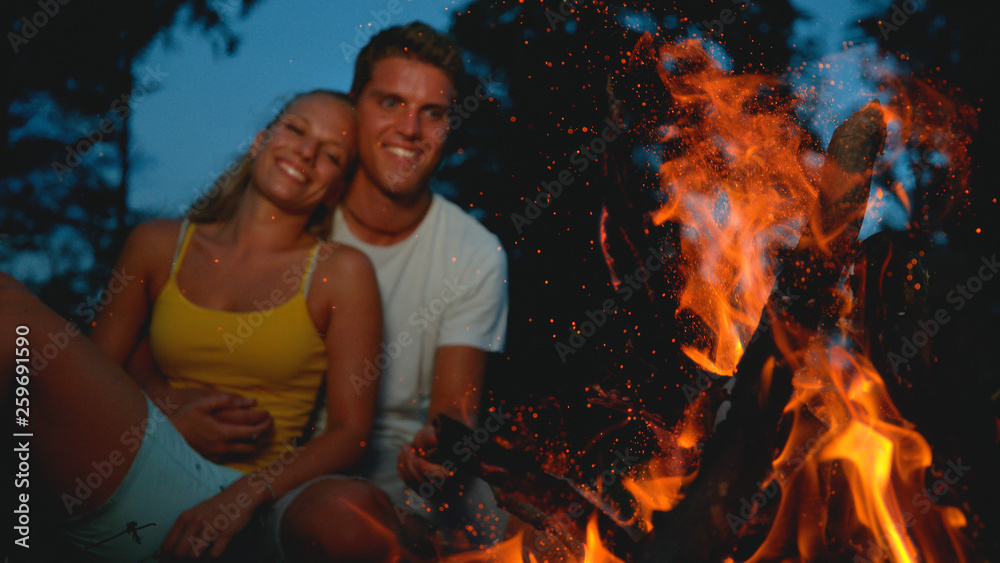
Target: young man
442	279
442	275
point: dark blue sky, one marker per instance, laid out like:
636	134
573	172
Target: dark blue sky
208	107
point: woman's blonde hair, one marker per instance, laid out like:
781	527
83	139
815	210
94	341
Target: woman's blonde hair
221	202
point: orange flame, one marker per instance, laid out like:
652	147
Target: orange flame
513	551
738	190
509	551
658	485
655	486
594	551
852	469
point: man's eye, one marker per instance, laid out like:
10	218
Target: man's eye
390	103
333	158
294	128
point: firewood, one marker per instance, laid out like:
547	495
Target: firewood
709	523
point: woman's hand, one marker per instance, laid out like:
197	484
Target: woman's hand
210	526
218	424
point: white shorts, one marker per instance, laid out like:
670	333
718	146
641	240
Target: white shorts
166	478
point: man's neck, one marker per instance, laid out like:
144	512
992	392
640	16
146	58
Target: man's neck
379	220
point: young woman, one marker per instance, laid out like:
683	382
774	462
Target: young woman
242	298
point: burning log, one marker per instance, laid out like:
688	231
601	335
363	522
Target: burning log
830	242
722	500
845	182
812	458
713	338
555	505
523	488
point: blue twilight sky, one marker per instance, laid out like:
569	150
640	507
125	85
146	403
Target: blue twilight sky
208	106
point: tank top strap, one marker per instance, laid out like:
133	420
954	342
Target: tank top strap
182	243
307	277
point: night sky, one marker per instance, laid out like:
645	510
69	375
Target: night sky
209	106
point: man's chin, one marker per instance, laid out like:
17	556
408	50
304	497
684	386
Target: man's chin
407	183
405	192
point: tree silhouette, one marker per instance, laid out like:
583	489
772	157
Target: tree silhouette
71	82
65	133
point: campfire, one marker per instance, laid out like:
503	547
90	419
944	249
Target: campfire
772	436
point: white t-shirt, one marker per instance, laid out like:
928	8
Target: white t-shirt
446	284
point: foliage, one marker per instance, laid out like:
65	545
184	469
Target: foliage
64	187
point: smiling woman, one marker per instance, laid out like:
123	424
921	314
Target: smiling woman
337	147
310	42
225	443
303	164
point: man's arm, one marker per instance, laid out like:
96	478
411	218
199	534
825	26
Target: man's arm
458	382
458	379
475	323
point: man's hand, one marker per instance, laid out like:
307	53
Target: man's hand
218	424
413	466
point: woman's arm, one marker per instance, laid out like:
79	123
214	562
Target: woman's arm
352	338
214	423
345	282
123	306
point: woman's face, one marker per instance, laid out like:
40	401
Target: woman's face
302	159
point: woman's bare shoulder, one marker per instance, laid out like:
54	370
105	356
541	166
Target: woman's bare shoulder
345	264
152	242
158	231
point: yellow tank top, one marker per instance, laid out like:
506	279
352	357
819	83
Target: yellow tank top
273	354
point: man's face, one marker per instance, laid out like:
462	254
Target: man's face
402	126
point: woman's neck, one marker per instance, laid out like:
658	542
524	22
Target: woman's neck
259	225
